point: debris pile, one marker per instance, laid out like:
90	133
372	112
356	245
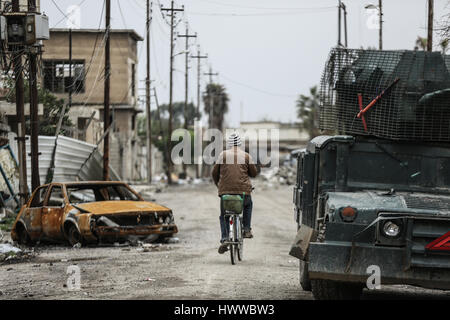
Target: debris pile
12	254
273	177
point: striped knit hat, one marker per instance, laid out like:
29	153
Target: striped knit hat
234	140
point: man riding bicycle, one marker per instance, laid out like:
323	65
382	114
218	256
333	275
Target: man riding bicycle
231	174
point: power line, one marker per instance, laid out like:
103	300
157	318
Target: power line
257	14
259	8
65	16
257	89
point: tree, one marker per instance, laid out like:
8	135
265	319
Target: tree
160	127
52	110
421	43
216	96
308	111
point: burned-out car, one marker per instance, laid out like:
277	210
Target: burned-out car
90	212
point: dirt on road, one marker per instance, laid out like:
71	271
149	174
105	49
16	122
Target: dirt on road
190	269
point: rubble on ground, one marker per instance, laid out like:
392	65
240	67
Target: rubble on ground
11	254
274	177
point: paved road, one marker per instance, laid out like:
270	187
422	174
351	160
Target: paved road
191	269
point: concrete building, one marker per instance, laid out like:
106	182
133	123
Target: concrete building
291	137
86	111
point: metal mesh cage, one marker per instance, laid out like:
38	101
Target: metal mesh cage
398	95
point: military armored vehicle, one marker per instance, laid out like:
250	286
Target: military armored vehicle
372	199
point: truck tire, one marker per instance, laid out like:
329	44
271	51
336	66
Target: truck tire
333	290
305	282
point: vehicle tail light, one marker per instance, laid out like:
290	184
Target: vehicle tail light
348	214
440	244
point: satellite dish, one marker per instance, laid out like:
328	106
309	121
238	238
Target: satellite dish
73	13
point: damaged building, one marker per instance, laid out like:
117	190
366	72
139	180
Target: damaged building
85	73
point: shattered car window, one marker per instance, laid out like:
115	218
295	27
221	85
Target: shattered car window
39	197
80	195
92	193
56	198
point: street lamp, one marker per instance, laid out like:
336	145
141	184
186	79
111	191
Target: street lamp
379	7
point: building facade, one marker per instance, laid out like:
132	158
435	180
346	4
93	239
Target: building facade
83	76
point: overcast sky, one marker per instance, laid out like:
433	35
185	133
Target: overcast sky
266	52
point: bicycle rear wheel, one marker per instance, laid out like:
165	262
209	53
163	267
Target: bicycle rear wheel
240	239
233	255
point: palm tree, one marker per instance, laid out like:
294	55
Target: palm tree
308	111
421	43
217	97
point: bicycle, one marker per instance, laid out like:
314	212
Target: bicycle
235	206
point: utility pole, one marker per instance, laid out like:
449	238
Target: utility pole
198	57
339	23
106	115
380	8
21	132
148	98
161	131
34	120
430	25
70	70
344	8
211	99
186	94
172	11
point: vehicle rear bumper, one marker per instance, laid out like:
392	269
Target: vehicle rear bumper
106	232
335	261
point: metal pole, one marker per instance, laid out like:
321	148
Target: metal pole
21	130
34	118
345	24
198	57
70	69
106	114
339	23
148	101
430	25
169	140
186	92
172	11
380	8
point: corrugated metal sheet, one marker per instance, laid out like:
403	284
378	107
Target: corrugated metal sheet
46	145
71	154
74	160
93	169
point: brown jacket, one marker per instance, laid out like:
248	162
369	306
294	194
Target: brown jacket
232	172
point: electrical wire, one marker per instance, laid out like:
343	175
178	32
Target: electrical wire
65	16
260	8
257	89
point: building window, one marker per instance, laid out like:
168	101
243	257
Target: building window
57	76
133	80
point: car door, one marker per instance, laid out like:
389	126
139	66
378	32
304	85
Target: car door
33	213
52	213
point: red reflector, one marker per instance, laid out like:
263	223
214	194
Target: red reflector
440	244
231	222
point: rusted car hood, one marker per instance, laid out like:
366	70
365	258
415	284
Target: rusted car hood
117	207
